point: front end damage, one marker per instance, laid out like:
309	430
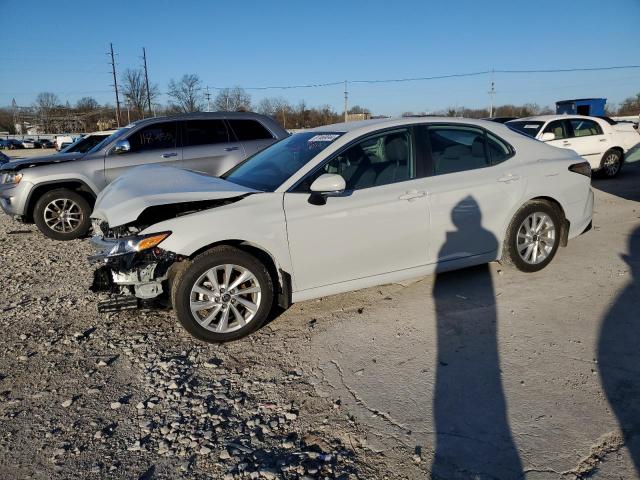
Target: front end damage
132	269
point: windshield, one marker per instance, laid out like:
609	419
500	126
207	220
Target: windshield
271	167
529	128
83	145
110	138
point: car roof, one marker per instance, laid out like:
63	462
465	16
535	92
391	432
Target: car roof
201	115
364	126
546	118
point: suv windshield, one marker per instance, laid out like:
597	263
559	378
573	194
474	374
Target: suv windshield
268	169
529	128
83	145
110	138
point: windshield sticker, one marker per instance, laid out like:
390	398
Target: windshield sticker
323	138
531	126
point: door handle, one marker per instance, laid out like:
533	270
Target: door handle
603	139
168	155
566	142
412	195
509	178
230	149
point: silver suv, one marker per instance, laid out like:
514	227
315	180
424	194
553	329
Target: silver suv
57	192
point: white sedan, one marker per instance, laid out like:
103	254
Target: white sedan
601	141
335	209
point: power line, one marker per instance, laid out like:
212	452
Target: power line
388	80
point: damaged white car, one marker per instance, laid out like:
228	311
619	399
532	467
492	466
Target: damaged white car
331	210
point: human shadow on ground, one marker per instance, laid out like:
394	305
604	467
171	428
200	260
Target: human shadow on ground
473	437
619	354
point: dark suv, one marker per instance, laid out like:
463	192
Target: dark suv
57	192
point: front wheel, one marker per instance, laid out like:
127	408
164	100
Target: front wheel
533	236
223	295
611	163
62	214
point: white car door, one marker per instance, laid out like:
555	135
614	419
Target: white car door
588	140
378	225
472	188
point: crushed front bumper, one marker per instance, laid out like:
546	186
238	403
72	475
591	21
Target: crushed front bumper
132	279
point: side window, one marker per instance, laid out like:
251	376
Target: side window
498	150
249	130
557	127
584	128
153	137
456	149
375	161
204	132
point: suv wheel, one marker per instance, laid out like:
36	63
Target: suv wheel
533	237
224	294
62	214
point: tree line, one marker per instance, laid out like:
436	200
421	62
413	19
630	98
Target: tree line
188	94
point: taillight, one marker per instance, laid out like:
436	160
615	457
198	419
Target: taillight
583	168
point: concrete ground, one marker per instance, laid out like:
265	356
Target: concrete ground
481	373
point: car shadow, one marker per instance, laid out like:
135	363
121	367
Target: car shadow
626	185
619	354
473	437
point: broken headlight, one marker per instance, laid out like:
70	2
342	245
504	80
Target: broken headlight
137	244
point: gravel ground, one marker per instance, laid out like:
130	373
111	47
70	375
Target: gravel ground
132	395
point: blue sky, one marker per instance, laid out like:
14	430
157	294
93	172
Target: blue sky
61	47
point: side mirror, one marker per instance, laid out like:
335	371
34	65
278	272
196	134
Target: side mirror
547	136
122	146
329	183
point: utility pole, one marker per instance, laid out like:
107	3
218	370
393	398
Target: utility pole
346	102
146	78
115	85
207	95
492	94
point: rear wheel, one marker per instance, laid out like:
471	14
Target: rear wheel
62	214
611	163
533	237
224	294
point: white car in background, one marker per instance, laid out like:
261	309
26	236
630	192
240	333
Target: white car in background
603	142
335	209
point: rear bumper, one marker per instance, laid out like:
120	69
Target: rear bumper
580	216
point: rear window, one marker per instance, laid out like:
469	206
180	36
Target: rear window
246	130
529	128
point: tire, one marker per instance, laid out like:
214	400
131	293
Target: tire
76	218
514	244
611	164
197	274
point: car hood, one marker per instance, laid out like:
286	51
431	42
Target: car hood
22	163
141	188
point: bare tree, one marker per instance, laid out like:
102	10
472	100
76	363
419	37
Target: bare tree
45	104
186	94
47	101
234	99
134	89
87	104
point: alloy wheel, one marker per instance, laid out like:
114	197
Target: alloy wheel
611	164
536	238
63	215
225	298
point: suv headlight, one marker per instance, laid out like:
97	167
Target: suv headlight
137	244
11	178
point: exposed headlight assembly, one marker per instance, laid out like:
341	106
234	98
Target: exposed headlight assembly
11	178
137	244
